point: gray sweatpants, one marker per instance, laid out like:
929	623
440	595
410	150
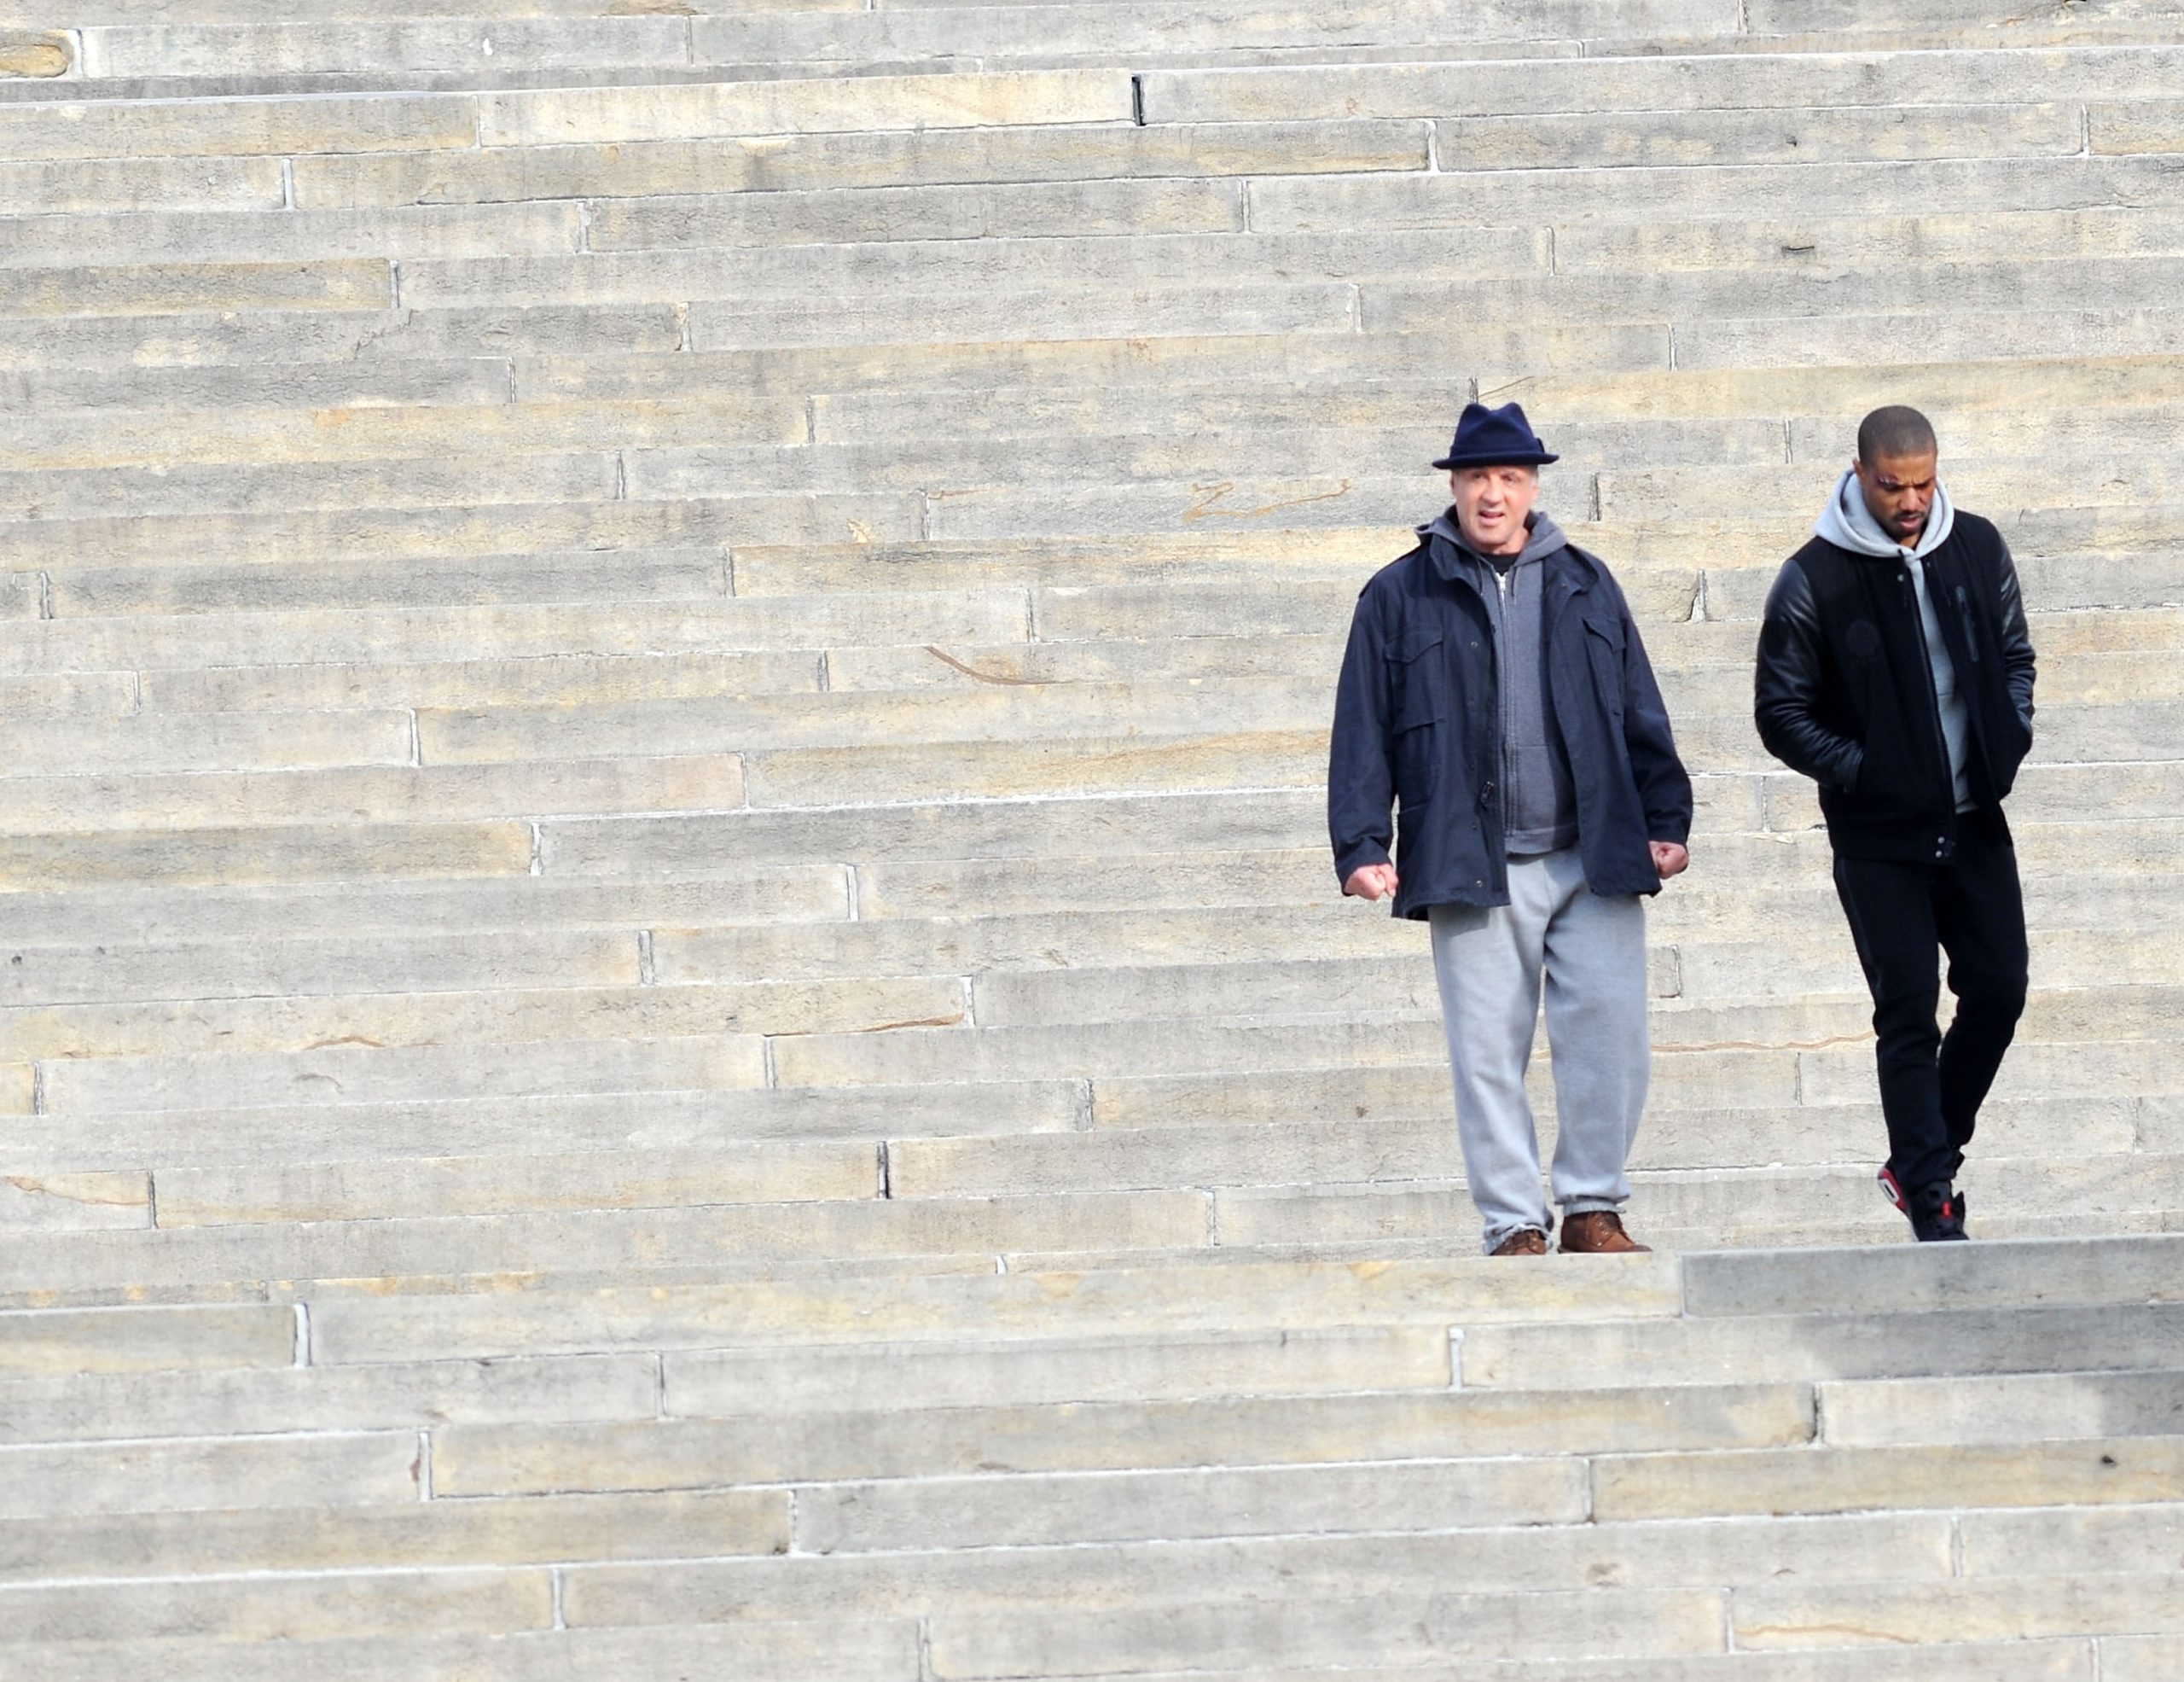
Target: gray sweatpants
1591	951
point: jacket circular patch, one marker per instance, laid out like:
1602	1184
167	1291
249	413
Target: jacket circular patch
1862	637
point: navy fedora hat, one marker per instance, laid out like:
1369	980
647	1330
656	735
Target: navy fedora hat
1495	438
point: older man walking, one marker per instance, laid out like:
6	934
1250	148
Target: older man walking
1896	671
1496	693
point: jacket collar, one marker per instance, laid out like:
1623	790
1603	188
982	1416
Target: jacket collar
1454	561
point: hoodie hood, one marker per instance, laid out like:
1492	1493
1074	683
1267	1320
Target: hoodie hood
1848	523
1545	538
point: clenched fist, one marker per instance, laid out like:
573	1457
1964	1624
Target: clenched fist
1371	881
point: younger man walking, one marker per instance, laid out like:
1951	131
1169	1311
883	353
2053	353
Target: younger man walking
1894	669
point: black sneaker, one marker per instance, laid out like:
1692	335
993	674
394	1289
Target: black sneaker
1937	1215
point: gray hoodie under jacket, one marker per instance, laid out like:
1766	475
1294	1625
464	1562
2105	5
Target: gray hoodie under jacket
1848	523
1539	798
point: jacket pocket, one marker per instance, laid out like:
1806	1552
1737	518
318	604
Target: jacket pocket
1418	678
1604	652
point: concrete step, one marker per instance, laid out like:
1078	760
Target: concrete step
807	162
1632	192
1651	85
215	337
1401	1632
250	1648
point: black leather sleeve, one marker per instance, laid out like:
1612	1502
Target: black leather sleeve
1786	687
2017	642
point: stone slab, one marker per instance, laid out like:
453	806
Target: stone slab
588	115
91	1403
58	1342
1294	1427
1033	1508
1848	1480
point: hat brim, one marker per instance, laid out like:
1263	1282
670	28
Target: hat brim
1499	458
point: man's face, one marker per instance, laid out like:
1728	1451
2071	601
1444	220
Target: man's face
1899	491
1491	504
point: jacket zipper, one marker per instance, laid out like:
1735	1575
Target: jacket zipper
1934	704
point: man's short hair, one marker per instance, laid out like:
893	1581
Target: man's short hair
1895	430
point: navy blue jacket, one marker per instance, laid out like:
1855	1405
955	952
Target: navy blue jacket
1417	726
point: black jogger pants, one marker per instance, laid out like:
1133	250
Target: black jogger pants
1904	916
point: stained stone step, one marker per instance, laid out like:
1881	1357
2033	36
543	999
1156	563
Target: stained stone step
237	127
572	679
1908	1548
1845	1345
1969	336
87	1405
178	389
1405	1632
236	1613
734	1237
216	338
689	1119
51	247
683	1451
306	1538
668	575
321	47
1571	406
271	436
1654	84
2015	1408
1005	1309
378	1651
50	815
1393	1630
451	909
518	630
931	157
1634	192
31	296
891	241
481	1020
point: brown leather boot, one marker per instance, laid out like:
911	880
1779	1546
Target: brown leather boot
1524	1240
1598	1232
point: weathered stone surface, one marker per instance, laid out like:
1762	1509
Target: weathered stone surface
2057	1605
803	162
144	1340
322	47
23	53
1409	1630
986	1513
230	127
90	1403
1255	1571
331	1471
586	115
1668	83
1292	1428
272	1612
833	1651
2094	1472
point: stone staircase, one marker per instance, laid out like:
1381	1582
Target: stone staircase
670	999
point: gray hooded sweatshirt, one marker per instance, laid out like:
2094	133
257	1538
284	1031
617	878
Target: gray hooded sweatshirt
1848	523
1539	799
